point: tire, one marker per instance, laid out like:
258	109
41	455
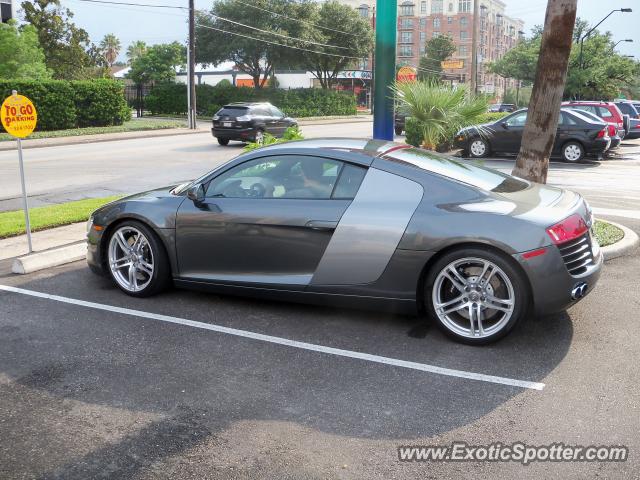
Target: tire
507	289
478	148
259	136
399	130
572	152
151	272
626	124
223	141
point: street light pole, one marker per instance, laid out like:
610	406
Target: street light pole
623	10
385	68
192	66
474	47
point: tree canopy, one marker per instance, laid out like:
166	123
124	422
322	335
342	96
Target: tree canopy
158	63
20	54
110	48
67	48
437	49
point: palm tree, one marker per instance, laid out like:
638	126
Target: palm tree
135	50
439	110
110	46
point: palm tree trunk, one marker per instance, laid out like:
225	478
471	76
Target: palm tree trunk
544	108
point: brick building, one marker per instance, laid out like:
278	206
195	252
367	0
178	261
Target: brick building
421	20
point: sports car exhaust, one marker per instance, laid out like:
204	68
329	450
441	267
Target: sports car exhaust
579	291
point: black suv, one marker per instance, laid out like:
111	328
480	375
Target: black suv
248	122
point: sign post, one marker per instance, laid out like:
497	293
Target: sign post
19	118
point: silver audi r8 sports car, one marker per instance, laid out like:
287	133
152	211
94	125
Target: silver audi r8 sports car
353	222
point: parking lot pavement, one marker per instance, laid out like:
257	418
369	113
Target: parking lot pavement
88	393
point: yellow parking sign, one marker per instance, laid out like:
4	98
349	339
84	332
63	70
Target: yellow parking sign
19	116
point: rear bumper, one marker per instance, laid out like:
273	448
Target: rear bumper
598	146
552	284
248	133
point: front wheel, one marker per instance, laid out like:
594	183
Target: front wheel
478	148
137	260
475	295
572	152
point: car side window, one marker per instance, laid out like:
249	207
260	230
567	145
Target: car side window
518	120
275	112
566	119
604	113
288	176
349	182
260	112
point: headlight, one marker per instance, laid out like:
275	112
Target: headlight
216	118
90	224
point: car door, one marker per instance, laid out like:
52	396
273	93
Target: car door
263	117
508	135
566	126
266	221
279	121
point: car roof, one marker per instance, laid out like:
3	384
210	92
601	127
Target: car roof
363	146
247	104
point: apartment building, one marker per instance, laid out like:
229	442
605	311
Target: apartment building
421	20
6	11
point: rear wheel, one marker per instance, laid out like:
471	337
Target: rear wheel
137	260
475	295
223	141
572	152
478	148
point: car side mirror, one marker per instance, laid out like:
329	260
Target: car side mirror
196	193
505	125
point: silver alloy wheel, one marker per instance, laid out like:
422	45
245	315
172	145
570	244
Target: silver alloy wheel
572	152
473	297
259	137
478	148
130	259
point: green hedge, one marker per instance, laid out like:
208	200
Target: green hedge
171	99
491	117
65	104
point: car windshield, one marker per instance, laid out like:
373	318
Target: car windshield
481	177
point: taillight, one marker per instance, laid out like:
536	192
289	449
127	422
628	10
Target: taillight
568	229
612	131
602	133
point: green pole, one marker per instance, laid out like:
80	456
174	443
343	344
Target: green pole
385	68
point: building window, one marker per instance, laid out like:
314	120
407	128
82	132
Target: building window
423	49
436	22
405	51
436	6
435	35
423	7
406	9
463	34
463	51
423	22
451	6
464	21
423	37
406	23
406	37
363	10
449	20
464	6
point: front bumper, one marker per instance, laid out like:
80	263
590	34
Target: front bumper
95	258
552	284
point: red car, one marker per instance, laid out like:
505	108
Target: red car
607	111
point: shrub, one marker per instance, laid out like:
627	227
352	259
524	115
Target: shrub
491	117
69	104
413	132
171	99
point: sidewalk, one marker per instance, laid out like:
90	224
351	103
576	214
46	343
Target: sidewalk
55	237
203	127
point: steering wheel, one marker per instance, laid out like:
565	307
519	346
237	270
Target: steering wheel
257	190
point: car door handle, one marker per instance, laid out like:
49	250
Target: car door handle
321	225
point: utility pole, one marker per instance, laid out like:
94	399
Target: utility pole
474	47
385	69
191	53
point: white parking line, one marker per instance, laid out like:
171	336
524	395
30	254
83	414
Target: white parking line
282	341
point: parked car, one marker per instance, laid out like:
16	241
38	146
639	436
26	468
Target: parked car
628	108
353	222
613	131
576	137
608	111
634	129
502	107
249	122
399	122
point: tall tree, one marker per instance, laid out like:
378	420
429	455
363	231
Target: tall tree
544	108
135	50
20	53
110	46
252	37
158	63
520	62
66	46
339	25
437	50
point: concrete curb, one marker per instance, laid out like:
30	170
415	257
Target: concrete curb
49	258
97	138
628	243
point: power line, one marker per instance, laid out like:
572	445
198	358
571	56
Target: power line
275	43
278	34
296	19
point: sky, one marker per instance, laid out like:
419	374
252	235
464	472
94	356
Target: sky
155	25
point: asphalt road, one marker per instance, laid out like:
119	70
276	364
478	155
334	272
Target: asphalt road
72	172
92	393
